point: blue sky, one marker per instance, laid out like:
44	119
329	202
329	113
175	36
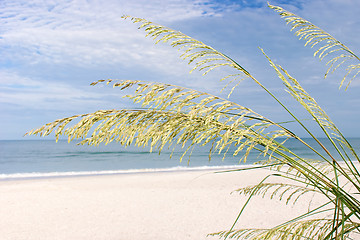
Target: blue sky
52	50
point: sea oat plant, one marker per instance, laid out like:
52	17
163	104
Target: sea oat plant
173	115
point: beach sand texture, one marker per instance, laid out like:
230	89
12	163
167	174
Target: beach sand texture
166	206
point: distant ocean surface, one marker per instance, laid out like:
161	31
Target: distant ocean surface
46	158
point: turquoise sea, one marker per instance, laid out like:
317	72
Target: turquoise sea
46	158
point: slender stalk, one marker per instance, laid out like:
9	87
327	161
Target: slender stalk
246	203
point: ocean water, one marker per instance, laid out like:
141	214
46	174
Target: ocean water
46	158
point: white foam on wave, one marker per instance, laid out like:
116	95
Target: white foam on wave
109	172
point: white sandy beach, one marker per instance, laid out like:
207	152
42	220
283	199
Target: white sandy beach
162	206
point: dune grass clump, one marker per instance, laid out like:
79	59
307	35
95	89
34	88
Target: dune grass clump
173	115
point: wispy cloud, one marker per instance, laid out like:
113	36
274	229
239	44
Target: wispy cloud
85	32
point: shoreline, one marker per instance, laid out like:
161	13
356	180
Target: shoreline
44	175
178	205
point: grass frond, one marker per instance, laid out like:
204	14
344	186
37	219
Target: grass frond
205	57
280	190
156	128
299	230
325	45
174	115
318	114
299	94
